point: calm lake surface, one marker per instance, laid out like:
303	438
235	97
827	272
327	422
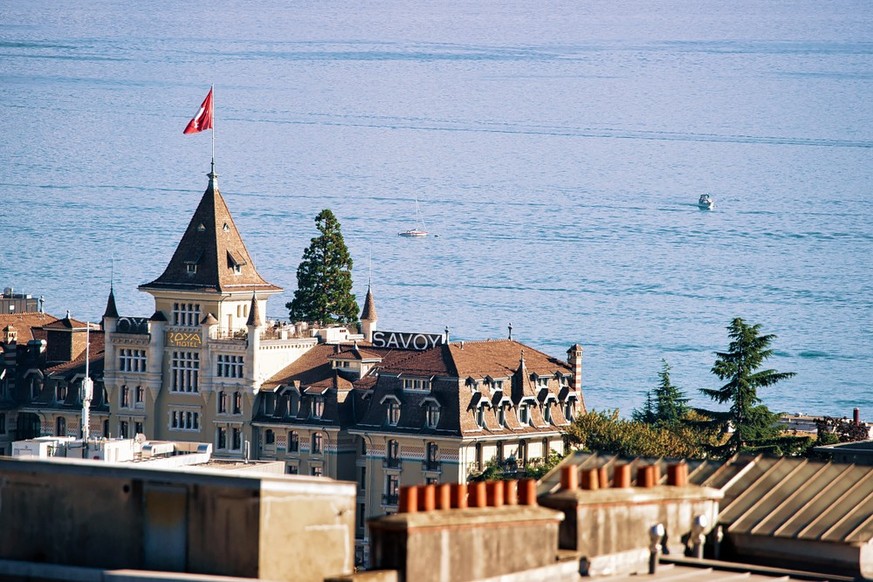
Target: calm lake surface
557	149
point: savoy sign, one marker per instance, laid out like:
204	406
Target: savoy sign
407	340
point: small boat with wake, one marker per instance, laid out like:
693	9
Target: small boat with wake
705	202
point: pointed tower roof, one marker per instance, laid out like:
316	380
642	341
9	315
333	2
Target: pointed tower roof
254	312
369	313
111	309
211	257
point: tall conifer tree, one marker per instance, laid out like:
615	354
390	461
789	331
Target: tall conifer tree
324	277
754	425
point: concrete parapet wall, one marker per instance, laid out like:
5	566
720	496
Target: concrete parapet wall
456	545
616	521
95	515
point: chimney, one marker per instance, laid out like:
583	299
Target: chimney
857	416
574	358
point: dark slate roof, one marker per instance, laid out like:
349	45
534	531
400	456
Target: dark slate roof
111	308
213	243
369	312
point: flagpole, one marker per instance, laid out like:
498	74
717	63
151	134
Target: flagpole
212	89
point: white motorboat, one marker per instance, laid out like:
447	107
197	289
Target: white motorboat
705	202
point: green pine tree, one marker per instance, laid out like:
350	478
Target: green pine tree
755	427
666	406
324	278
671	405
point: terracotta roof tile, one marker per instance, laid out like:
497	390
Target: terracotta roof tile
28	325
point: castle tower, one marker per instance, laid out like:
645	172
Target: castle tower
368	316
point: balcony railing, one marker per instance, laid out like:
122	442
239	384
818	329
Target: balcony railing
390	499
391	463
429	465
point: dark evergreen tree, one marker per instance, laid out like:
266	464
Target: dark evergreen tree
646	414
754	426
666	406
324	277
671	405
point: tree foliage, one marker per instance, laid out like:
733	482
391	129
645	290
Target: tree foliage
509	468
324	277
666	405
754	426
605	432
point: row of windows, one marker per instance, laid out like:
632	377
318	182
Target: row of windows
185	370
187	314
138	396
316	443
229	366
184	420
431	417
416	385
524	416
290	405
235	399
221	441
130	360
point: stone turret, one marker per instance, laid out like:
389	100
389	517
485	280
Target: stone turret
368	316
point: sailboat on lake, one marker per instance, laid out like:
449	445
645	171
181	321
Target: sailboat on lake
419	231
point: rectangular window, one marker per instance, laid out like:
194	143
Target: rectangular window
221	438
236	433
184	420
317	443
139	398
293	442
523	413
222	402
416	384
293	469
131	360
230	366
187	314
185	368
137	428
392	489
123	429
2	424
125	397
237	403
317	471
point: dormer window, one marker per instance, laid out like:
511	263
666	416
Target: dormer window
191	268
225	228
317	407
200	227
542	381
480	416
393	413
524	413
432	415
497	385
501	416
547	411
416	384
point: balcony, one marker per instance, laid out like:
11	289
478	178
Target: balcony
391	463
432	466
390	499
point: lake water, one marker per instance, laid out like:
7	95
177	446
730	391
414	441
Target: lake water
557	149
